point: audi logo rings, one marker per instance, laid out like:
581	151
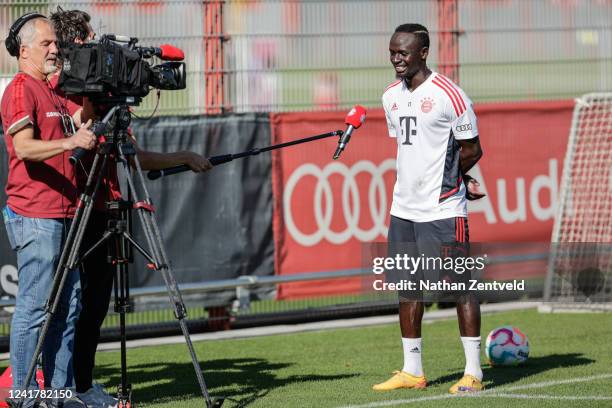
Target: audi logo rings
350	195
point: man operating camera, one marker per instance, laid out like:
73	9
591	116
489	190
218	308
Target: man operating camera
73	26
39	132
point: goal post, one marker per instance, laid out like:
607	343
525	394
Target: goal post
579	276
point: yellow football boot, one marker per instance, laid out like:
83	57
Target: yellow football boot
401	379
467	384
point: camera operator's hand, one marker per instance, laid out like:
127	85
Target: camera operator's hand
196	162
83	138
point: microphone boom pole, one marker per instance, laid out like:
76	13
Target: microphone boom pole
225	158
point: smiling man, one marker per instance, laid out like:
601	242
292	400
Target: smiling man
435	127
39	132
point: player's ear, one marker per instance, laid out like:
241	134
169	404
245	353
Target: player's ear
424	53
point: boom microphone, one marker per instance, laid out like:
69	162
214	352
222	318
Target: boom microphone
354	119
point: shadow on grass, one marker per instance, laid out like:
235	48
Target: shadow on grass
497	376
241	380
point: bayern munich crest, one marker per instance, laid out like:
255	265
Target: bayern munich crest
427	105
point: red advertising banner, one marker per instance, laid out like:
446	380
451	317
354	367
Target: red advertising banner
324	210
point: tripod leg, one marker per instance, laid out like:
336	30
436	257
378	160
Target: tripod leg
122	296
153	237
105	237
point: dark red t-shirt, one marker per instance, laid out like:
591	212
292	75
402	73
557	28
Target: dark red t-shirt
109	186
44	189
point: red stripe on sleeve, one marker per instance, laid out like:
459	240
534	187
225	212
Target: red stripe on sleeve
392	85
18	98
447	91
455	91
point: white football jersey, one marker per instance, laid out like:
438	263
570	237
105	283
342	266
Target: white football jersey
427	123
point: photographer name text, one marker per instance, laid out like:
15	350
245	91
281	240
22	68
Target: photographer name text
471	285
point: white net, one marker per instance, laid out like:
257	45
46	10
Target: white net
580	267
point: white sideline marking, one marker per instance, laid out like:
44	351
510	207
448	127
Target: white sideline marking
551	397
549	383
498	392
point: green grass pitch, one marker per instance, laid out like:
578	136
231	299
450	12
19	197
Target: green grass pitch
337	368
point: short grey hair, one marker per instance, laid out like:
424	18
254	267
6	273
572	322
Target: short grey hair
28	32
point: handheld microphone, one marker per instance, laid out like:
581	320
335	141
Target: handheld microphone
354	119
165	52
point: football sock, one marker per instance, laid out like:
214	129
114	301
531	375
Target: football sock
412	356
471	348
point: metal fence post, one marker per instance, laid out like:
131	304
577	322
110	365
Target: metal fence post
448	38
214	56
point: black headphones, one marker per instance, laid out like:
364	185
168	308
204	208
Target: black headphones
12	42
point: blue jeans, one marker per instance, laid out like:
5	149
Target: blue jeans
38	243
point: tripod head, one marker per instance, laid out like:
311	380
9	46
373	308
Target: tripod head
123	117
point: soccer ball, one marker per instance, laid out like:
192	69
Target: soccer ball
507	346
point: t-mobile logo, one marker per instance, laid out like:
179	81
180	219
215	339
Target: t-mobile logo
408	124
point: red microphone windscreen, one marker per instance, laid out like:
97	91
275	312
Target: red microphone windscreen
171	53
356	116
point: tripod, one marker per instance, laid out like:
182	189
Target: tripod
118	148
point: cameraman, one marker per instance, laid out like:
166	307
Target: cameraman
39	133
97	275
